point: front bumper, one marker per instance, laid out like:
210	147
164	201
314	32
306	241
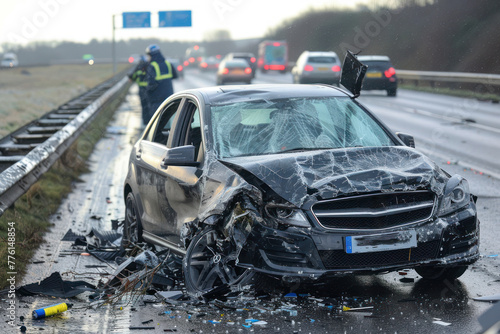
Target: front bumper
313	253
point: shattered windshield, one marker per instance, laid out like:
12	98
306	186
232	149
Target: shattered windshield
285	125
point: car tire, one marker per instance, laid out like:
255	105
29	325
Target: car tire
210	263
249	82
132	226
392	92
441	273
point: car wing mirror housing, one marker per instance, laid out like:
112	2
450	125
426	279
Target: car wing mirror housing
180	156
407	139
353	73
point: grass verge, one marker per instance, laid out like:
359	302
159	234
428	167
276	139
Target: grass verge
453	92
32	211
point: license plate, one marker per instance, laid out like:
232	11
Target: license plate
374	74
381	242
237	72
323	68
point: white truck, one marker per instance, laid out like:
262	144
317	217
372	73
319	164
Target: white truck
9	60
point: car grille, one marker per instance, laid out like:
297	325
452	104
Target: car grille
375	211
339	259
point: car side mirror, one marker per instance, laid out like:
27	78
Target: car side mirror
180	156
407	139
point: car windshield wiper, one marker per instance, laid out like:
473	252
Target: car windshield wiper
303	149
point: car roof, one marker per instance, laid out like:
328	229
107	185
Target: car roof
245	93
321	53
241	54
236	61
373	58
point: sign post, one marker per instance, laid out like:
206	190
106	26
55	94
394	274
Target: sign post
113	51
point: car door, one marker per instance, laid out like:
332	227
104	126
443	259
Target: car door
179	187
149	153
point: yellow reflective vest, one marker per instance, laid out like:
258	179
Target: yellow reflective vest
159	76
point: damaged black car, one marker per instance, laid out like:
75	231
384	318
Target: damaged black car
299	182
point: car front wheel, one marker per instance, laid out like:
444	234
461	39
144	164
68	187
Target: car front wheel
441	273
210	263
132	227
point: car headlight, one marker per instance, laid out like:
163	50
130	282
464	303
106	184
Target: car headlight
456	195
287	215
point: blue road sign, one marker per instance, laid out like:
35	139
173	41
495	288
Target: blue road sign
175	18
136	19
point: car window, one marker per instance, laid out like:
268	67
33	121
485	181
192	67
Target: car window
322	60
165	122
237	62
190	132
270	127
377	64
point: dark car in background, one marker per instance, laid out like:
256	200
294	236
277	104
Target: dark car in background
380	75
234	70
209	64
248	57
317	67
300	182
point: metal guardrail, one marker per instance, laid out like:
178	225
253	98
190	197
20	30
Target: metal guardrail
450	77
18	178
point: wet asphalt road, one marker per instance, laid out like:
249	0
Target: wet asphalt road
402	302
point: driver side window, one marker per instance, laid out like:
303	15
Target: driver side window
165	123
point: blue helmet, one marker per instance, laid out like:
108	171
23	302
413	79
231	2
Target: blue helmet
152	49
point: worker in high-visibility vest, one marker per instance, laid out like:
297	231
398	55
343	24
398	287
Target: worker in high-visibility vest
138	75
159	75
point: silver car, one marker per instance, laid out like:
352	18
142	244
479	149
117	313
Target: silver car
317	67
236	70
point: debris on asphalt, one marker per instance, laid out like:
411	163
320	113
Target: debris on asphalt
493	298
54	286
407	280
355	309
490	320
104	245
51	310
438	321
153	278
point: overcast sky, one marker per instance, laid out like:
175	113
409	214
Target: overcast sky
24	21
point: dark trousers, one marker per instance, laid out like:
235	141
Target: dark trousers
146	108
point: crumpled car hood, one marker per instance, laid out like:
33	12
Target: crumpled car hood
310	176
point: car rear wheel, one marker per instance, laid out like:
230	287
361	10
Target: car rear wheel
210	262
441	273
132	227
